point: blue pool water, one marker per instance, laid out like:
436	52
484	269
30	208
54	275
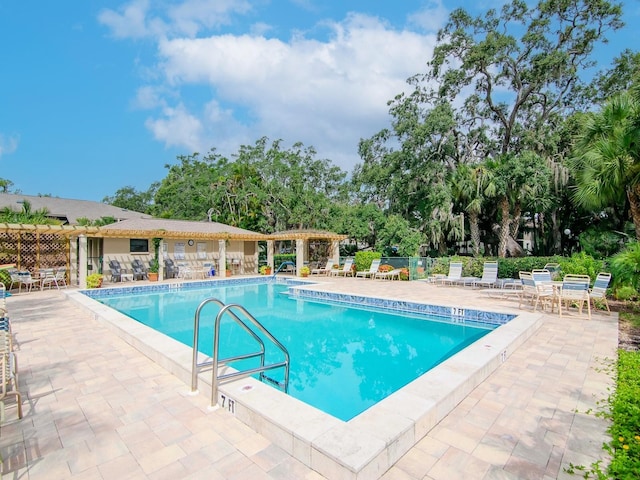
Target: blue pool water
343	359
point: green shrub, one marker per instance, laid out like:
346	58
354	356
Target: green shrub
601	244
625	267
363	260
625	293
279	258
625	415
94	280
581	264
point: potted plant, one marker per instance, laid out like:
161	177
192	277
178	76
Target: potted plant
154	267
154	264
94	280
265	270
304	271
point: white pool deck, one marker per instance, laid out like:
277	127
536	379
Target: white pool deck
96	407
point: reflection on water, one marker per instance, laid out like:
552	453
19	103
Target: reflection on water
343	360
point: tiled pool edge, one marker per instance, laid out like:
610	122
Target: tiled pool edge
363	448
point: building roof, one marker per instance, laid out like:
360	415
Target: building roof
165	228
68	211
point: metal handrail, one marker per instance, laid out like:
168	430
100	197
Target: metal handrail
283	264
195	366
216	361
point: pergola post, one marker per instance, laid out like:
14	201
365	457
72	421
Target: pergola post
82	261
222	254
335	251
300	254
270	246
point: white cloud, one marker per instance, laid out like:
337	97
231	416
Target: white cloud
432	17
137	20
326	94
177	127
8	144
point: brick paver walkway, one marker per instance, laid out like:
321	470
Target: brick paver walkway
95	408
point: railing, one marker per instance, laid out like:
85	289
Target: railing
232	310
284	264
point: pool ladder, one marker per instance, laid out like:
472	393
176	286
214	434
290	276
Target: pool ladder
245	320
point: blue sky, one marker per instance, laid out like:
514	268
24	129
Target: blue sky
98	95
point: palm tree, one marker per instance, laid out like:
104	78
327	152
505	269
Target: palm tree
606	157
472	185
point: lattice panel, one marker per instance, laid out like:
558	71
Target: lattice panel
9	248
30	251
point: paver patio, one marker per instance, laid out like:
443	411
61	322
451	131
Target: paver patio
96	408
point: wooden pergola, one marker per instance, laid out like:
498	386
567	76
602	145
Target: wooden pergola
301	237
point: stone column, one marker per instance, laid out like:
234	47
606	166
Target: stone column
335	249
300	255
82	261
222	254
270	247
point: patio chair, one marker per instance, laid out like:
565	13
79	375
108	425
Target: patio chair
9	372
47	278
61	277
346	269
575	290
323	270
15	278
139	271
373	269
599	290
390	275
116	270
28	281
489	275
170	269
554	269
536	292
455	274
541	275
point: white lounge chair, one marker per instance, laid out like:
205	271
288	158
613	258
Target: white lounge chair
346	269
323	270
489	275
390	275
373	269
455	274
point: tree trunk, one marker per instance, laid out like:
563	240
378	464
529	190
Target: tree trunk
474	229
633	194
514	227
504	227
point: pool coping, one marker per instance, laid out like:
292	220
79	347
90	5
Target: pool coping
362	448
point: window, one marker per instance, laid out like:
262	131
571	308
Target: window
138	245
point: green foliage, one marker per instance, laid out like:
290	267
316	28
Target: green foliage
279	258
130	199
94	280
363	260
154	265
607	157
304	270
625	267
581	264
265	270
601	244
27	215
397	238
625	415
626	293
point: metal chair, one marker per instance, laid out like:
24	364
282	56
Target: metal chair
116	270
139	272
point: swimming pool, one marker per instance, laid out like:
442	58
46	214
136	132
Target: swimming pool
343	359
369	444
